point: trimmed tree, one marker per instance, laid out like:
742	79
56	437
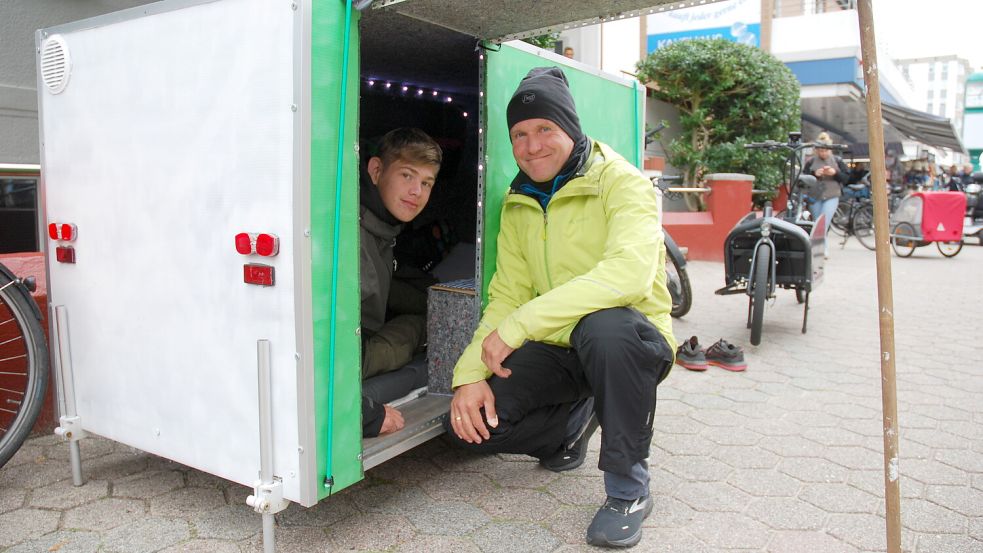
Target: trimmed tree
727	94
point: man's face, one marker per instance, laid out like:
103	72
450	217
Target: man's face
540	148
823	153
405	187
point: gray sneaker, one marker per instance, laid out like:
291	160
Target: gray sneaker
619	522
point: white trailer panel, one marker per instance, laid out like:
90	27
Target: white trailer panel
173	134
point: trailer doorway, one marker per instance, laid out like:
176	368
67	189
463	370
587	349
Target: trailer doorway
416	74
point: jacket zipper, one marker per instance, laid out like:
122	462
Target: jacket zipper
546	255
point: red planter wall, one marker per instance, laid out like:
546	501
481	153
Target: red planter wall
704	232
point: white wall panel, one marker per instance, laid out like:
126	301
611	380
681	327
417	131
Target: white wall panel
175	133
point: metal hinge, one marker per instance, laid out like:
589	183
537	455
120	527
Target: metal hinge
267	498
70	429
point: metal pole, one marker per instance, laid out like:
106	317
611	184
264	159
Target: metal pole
266	437
885	293
67	388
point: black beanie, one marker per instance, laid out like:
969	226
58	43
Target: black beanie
545	94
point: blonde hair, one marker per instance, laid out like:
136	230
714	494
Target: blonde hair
410	145
824	138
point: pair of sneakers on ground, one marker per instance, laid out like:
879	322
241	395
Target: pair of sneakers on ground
618	523
722	354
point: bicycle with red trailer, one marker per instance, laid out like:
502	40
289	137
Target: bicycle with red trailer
926	217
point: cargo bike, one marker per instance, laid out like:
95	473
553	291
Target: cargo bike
777	250
926	217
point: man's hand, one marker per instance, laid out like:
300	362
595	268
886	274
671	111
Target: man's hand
493	352
392	422
466	415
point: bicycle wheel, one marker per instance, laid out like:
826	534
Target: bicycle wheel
759	293
949	249
679	288
840	223
23	368
904	240
862	226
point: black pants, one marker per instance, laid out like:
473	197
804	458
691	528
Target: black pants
616	355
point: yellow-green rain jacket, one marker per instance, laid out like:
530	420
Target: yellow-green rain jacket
598	245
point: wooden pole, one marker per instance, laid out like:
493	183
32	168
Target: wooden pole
885	293
767	14
643	36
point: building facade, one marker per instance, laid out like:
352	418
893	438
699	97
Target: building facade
939	84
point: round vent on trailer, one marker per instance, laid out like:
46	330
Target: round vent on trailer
56	65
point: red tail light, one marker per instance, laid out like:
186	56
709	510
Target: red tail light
244	243
254	273
65	254
264	244
267	245
62	231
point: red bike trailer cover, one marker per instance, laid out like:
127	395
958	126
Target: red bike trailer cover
942	216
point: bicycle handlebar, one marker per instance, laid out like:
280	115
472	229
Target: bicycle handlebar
775	145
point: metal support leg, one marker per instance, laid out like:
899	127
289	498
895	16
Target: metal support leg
269	533
75	456
805	313
267	497
70	426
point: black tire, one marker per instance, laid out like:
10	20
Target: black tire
759	293
903	239
862	226
841	219
949	249
23	368
679	288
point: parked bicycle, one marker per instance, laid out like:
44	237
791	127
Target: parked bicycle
855	216
677	280
773	251
23	362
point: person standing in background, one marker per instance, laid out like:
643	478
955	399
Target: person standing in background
831	174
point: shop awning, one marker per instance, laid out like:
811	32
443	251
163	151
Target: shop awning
841	109
503	20
922	127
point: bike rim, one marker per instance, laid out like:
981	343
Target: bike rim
17	365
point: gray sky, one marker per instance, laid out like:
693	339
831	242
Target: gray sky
920	28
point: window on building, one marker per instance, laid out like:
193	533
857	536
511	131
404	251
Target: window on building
945	71
928	107
18	214
931	95
931	71
943	94
941	109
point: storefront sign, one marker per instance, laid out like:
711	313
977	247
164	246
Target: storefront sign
734	20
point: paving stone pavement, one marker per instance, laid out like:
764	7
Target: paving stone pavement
784	458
